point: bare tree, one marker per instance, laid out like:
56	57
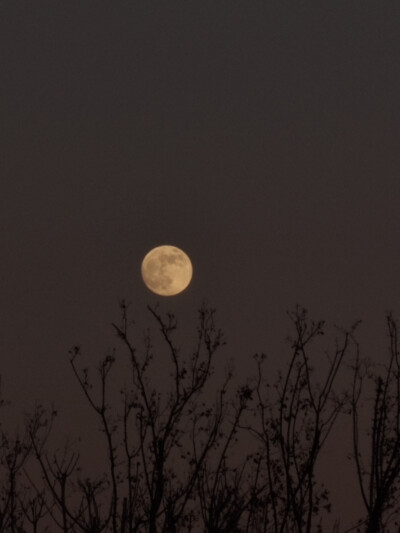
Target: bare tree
226	484
295	419
378	467
14	453
159	441
154	436
198	454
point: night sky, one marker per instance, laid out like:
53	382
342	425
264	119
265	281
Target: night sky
260	137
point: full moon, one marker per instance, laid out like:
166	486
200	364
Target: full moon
166	270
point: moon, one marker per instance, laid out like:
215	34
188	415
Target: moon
166	270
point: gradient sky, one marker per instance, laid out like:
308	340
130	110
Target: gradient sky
260	137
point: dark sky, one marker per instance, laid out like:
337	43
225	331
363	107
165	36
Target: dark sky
261	137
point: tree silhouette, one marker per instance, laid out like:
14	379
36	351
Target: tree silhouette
201	453
295	419
379	474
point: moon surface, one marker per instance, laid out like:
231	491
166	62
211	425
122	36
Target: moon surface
166	270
